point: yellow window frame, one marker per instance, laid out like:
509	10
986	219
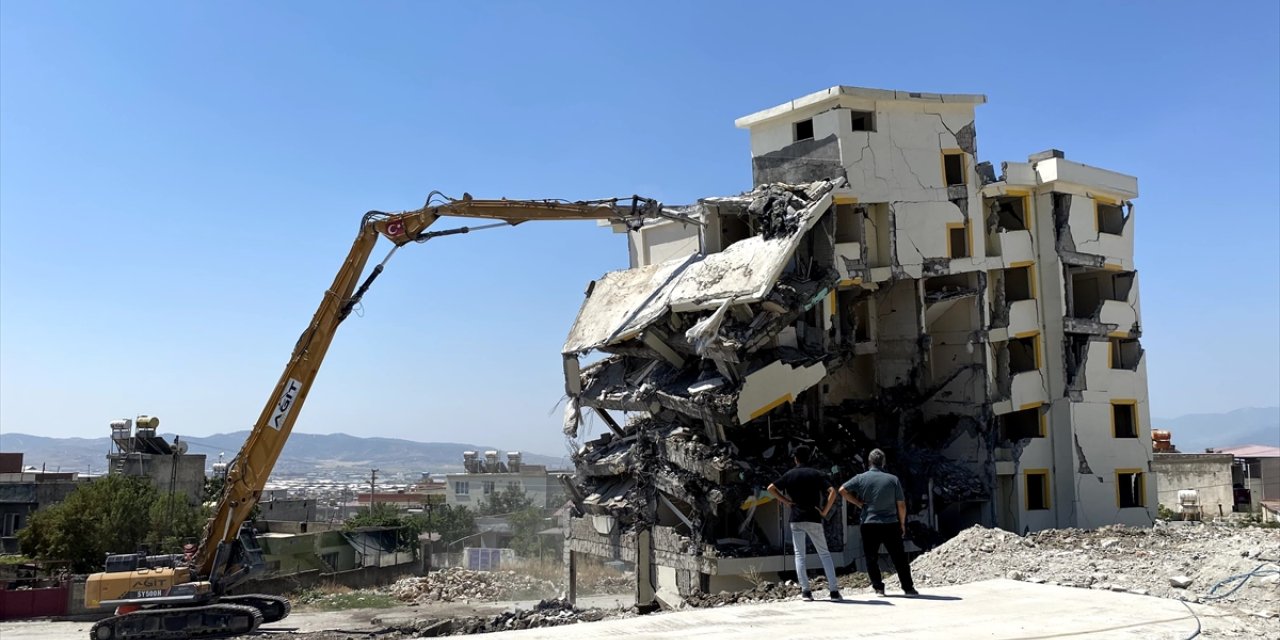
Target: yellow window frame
1030	266
1038	355
1133	410
968	238
964	166
1142	487
1025	196
1044	489
1097	216
1041	414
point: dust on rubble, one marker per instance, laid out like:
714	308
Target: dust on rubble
1182	561
461	585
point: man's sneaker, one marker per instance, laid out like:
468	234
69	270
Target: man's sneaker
835	595
807	595
911	592
880	592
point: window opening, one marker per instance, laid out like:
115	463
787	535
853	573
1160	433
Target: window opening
1111	218
953	168
804	130
1021	424
1124	422
958	240
1129	489
1017	284
1023	354
863	120
1037	489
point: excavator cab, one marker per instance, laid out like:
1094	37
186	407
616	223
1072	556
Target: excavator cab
238	560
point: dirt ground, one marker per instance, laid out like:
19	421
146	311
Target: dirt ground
321	625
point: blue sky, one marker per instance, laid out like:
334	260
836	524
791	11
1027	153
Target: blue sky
179	182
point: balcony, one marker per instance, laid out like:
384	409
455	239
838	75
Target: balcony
1115	368
1121	314
1015	248
1026	389
1101	228
1115	318
1102	302
849	262
1024	317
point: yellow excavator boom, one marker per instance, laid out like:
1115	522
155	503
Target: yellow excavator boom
247	475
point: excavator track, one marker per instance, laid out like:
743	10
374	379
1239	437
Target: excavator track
209	621
273	608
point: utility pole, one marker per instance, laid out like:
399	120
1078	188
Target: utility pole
373	492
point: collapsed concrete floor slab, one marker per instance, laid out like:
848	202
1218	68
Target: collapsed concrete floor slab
723	363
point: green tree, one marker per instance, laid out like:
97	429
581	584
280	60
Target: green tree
452	523
109	515
509	500
386	515
174	521
525	525
213	486
378	514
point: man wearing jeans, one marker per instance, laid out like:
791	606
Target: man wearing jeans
884	520
810	495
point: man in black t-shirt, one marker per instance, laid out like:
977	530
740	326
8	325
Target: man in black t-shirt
810	495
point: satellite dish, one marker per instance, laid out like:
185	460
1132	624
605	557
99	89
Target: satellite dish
180	447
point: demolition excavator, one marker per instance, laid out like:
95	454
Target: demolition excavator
189	595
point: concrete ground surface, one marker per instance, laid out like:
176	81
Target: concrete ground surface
989	610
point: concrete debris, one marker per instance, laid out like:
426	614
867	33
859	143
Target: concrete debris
547	613
1116	558
771	591
461	585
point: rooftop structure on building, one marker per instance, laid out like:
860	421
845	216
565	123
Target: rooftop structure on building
489	472
25	490
879	287
139	450
1255	474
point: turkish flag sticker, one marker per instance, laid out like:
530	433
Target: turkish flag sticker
395	228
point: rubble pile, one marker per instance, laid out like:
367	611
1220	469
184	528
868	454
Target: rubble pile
771	591
460	585
547	613
1183	561
620	583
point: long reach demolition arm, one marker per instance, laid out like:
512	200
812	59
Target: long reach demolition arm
247	476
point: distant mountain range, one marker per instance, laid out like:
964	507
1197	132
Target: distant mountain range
338	452
304	452
1195	432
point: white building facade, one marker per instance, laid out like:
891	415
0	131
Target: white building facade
1010	302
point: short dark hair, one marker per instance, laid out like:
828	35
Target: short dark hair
803	453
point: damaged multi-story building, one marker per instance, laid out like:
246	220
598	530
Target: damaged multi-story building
879	287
